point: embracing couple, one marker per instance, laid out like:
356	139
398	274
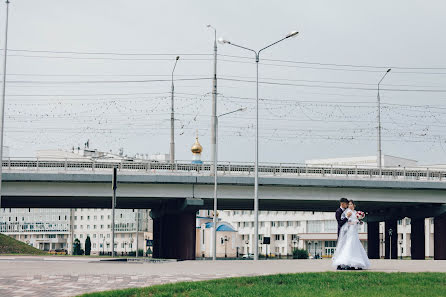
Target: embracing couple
349	254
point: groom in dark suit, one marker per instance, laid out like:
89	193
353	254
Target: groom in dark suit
343	204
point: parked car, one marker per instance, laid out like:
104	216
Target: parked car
58	252
248	256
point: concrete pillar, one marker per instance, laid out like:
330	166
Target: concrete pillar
373	240
417	247
174	236
440	237
391	224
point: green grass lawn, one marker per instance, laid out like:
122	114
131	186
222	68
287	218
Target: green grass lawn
10	246
342	283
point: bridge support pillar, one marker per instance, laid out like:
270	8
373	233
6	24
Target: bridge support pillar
417	240
373	240
391	242
174	231
440	237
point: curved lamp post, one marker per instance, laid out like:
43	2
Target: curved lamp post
379	122
256	164
214	235
172	118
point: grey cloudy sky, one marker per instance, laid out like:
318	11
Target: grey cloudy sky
99	70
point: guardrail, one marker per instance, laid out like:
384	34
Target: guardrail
225	168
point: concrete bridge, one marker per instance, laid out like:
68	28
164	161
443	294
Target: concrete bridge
175	192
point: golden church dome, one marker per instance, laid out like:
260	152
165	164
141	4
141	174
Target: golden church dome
196	148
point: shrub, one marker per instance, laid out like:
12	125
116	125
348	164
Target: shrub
300	254
77	247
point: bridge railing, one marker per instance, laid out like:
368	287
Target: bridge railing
223	168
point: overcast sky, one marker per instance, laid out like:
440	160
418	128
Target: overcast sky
100	70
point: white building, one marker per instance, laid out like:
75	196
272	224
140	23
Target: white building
50	229
314	231
45	229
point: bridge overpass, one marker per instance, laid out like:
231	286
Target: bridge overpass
175	192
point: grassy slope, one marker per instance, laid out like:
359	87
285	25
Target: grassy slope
9	245
351	283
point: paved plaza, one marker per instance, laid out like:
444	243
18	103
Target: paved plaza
69	276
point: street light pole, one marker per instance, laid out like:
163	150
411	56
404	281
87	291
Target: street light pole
390	243
5	54
114	186
214	102
214	229
172	119
256	164
379	157
137	231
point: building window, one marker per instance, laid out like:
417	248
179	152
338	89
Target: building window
331	226
289	224
314	226
281	223
273	224
407	221
400	222
277	236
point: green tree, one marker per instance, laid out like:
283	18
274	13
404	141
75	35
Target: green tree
76	247
87	246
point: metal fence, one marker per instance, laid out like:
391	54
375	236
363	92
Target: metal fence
223	168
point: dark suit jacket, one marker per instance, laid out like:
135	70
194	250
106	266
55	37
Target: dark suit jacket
341	222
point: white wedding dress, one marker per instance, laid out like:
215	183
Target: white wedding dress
349	250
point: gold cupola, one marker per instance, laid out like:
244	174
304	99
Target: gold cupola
196	148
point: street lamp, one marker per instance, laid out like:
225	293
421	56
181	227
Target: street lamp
224	240
401	245
379	122
390	243
214	239
172	119
315	248
256	164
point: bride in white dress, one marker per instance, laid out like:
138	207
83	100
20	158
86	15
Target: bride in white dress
349	250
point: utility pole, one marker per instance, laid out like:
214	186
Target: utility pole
172	119
378	117
214	123
114	186
5	52
214	102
